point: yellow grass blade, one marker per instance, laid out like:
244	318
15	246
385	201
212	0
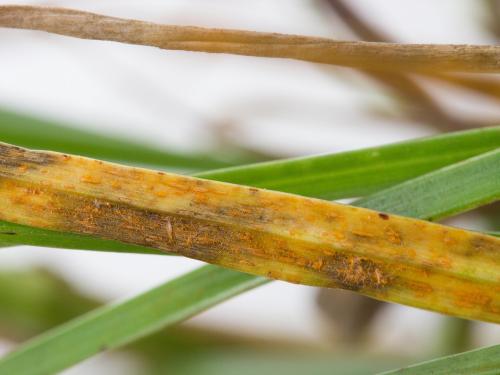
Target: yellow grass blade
278	235
362	55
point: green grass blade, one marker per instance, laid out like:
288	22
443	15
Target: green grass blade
484	361
39	134
116	325
361	172
341	175
480	175
110	327
14	234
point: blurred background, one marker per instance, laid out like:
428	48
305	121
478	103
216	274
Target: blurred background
191	111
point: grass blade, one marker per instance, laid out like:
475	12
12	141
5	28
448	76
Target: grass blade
39	134
481	174
119	324
484	361
267	233
341	175
33	301
14	234
70	336
361	172
362	55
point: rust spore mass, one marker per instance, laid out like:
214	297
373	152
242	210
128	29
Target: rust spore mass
356	273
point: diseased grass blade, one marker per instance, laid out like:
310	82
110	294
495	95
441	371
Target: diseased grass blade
39	134
88	329
267	233
484	361
362	55
341	175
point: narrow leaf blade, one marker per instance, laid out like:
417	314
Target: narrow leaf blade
31	132
484	361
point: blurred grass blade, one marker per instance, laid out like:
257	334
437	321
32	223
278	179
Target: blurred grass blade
39	134
267	233
361	55
84	337
116	325
484	361
35	300
332	176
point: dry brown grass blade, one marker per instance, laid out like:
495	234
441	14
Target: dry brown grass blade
278	235
363	55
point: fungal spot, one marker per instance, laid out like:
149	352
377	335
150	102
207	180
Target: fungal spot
253	191
23	168
420	289
89	179
355	273
170	231
14	157
480	244
161	193
393	236
383	216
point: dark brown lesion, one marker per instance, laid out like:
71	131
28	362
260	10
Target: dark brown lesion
15	157
174	233
483	245
383	216
356	273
